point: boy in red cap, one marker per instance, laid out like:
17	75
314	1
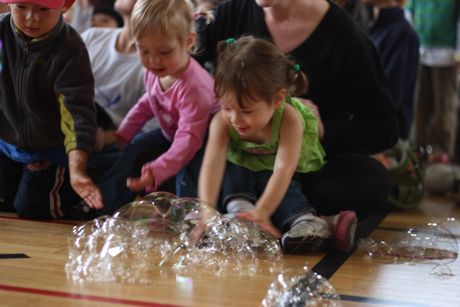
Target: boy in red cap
47	113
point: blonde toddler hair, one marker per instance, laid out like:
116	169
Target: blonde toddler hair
165	16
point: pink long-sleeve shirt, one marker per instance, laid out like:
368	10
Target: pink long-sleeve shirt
183	112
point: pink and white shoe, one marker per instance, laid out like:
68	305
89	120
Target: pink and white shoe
345	230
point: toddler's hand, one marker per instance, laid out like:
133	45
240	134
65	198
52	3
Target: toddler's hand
139	184
200	229
263	222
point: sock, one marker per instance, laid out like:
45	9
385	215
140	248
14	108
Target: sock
239	205
303	217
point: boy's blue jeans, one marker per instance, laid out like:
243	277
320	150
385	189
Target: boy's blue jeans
242	182
145	147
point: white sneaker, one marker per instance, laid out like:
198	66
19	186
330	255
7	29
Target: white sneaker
309	234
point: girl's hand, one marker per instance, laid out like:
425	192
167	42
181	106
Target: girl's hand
200	229
139	184
261	220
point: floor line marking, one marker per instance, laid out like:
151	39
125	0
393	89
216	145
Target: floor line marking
84	297
13	256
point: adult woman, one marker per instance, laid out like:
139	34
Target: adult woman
347	85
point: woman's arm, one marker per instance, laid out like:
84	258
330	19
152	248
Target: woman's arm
286	161
214	161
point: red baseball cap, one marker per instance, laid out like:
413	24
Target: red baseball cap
52	4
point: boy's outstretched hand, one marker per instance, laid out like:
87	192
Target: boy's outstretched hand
81	182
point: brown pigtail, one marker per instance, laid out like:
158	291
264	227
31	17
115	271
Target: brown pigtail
298	80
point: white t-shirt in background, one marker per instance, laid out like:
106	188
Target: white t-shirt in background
119	78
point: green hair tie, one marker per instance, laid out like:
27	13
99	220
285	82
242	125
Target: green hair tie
296	67
230	40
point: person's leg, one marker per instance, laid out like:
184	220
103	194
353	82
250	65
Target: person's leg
293	205
145	148
10	175
187	178
309	232
423	108
238	186
445	109
296	218
102	161
44	192
348	182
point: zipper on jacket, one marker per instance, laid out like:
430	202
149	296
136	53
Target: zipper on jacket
27	53
22	77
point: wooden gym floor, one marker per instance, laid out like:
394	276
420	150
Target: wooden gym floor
33	255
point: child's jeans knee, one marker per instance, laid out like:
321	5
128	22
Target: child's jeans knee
44	191
185	184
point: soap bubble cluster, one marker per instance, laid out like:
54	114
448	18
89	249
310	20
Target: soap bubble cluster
162	231
301	288
433	243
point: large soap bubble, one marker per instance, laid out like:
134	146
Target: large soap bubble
164	213
161	231
109	249
301	288
158	211
432	243
231	245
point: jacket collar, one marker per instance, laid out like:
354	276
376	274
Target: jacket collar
37	43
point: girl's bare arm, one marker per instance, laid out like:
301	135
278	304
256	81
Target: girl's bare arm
215	157
287	158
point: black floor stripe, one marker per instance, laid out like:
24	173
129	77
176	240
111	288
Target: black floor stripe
13	256
333	260
372	300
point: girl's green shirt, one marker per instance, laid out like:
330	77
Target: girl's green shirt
258	157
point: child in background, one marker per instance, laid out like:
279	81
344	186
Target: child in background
398	46
106	18
179	94
259	140
117	68
80	15
48	119
436	98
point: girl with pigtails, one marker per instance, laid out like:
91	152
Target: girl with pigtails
259	141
